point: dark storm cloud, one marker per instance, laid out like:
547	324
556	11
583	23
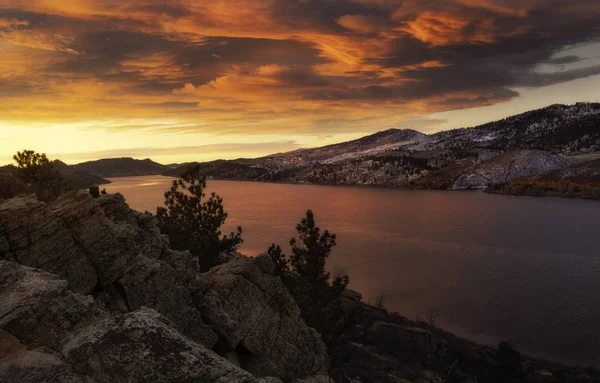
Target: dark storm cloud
216	53
324	15
171	10
102	53
258	55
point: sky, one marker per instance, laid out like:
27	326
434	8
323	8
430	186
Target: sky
183	80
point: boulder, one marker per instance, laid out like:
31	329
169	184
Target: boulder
34	367
147	236
187	268
274	340
211	307
39	237
85	241
144	346
71	339
19	365
154	284
38	309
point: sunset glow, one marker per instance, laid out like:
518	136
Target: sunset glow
200	80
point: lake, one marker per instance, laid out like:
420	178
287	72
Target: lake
520	269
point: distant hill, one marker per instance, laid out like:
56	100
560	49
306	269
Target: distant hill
175	166
290	166
494	153
77	178
374	144
222	169
121	167
560	129
11	184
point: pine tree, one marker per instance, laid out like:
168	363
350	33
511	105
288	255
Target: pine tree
38	175
193	222
31	164
282	264
306	278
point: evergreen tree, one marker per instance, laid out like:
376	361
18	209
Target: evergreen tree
306	278
282	264
193	222
32	165
38	175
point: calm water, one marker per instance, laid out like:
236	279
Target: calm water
521	269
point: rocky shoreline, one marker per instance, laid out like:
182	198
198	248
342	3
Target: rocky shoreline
92	292
507	190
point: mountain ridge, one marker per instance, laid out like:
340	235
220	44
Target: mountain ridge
120	167
408	158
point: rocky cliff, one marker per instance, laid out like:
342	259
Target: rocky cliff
91	292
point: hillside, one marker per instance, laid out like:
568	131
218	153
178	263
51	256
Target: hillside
580	180
579	173
493	153
78	178
221	169
120	167
508	166
560	129
378	143
11	185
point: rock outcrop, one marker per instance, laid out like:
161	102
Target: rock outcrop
81	338
71	237
153	283
144	346
274	338
508	166
17	364
91	292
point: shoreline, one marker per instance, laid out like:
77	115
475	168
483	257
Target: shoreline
488	190
541	194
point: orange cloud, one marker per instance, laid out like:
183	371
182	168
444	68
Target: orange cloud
362	23
12	22
275	66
